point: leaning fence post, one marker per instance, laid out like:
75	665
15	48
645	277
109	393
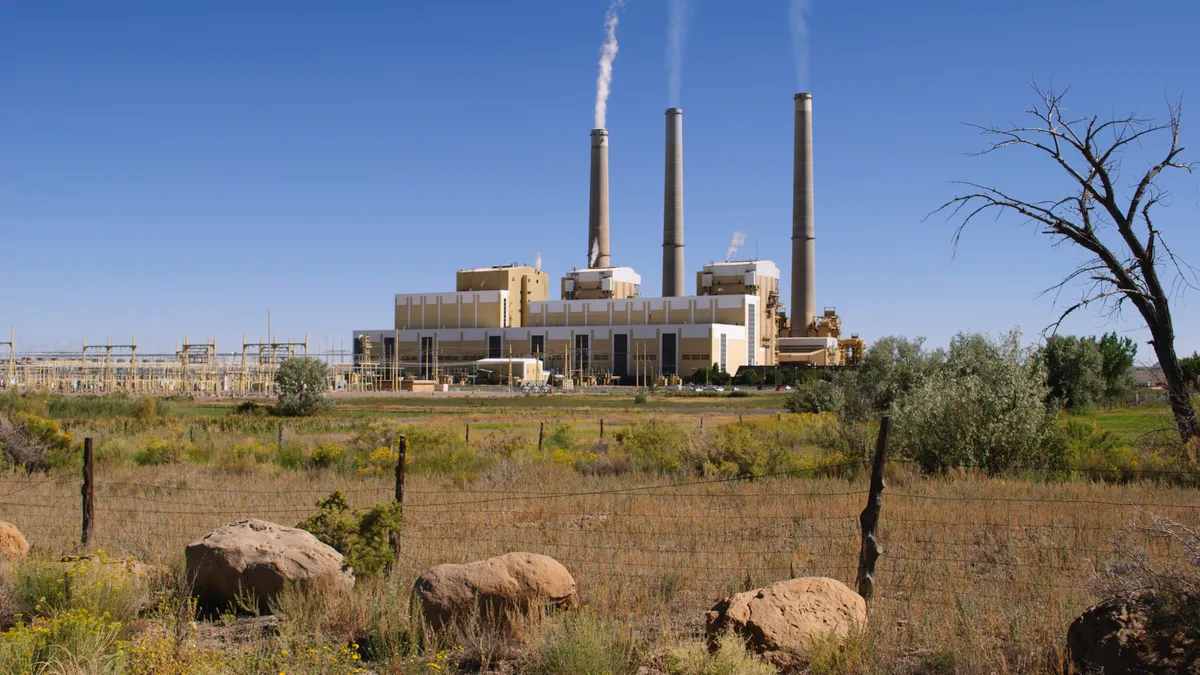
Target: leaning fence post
401	459
869	520
88	492
541	433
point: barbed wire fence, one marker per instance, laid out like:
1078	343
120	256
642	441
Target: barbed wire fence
655	543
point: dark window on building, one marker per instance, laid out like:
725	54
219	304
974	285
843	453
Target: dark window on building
495	346
582	357
389	350
668	354
425	366
537	345
621	355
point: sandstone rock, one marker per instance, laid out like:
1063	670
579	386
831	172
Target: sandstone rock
492	587
12	543
1146	633
259	558
780	620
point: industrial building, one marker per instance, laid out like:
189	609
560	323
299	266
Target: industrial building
601	329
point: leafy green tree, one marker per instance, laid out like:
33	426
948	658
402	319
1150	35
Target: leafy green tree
301	383
1191	369
1074	371
1118	354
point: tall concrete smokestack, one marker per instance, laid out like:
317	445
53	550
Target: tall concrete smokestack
672	269
598	206
804	257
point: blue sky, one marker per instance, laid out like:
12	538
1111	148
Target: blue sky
177	168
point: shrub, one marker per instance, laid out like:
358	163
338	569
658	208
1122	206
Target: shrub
729	658
34	442
640	398
75	641
892	367
159	451
983	407
764	446
302	383
326	455
654	446
99	585
582	644
365	541
251	409
816	397
1074	371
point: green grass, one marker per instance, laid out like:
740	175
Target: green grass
1134	425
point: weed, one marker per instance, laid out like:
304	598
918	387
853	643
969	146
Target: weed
729	658
583	644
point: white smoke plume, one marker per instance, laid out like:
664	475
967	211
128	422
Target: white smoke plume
799	24
537	261
676	34
595	253
739	238
607	54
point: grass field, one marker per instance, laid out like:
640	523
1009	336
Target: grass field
979	574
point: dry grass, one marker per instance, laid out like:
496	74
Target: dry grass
976	571
979	575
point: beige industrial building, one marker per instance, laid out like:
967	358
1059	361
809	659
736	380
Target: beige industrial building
609	331
601	328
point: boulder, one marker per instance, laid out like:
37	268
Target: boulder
780	620
1145	633
493	587
258	558
12	543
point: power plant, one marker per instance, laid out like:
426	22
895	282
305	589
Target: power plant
602	330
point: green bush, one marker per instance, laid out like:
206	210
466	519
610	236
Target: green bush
158	451
302	383
655	446
817	397
983	407
640	398
365	541
729	658
582	644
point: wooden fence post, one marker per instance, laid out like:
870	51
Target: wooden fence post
401	460
88	493
541	433
871	549
601	428
280	443
468	436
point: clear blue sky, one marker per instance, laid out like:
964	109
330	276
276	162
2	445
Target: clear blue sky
177	168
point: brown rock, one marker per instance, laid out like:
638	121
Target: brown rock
12	543
780	620
259	558
492	587
1146	633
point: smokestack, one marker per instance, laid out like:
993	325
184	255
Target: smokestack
672	269
804	274
598	207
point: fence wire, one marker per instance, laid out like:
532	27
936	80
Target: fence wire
946	542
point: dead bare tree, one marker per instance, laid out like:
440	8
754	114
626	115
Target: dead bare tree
1125	267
